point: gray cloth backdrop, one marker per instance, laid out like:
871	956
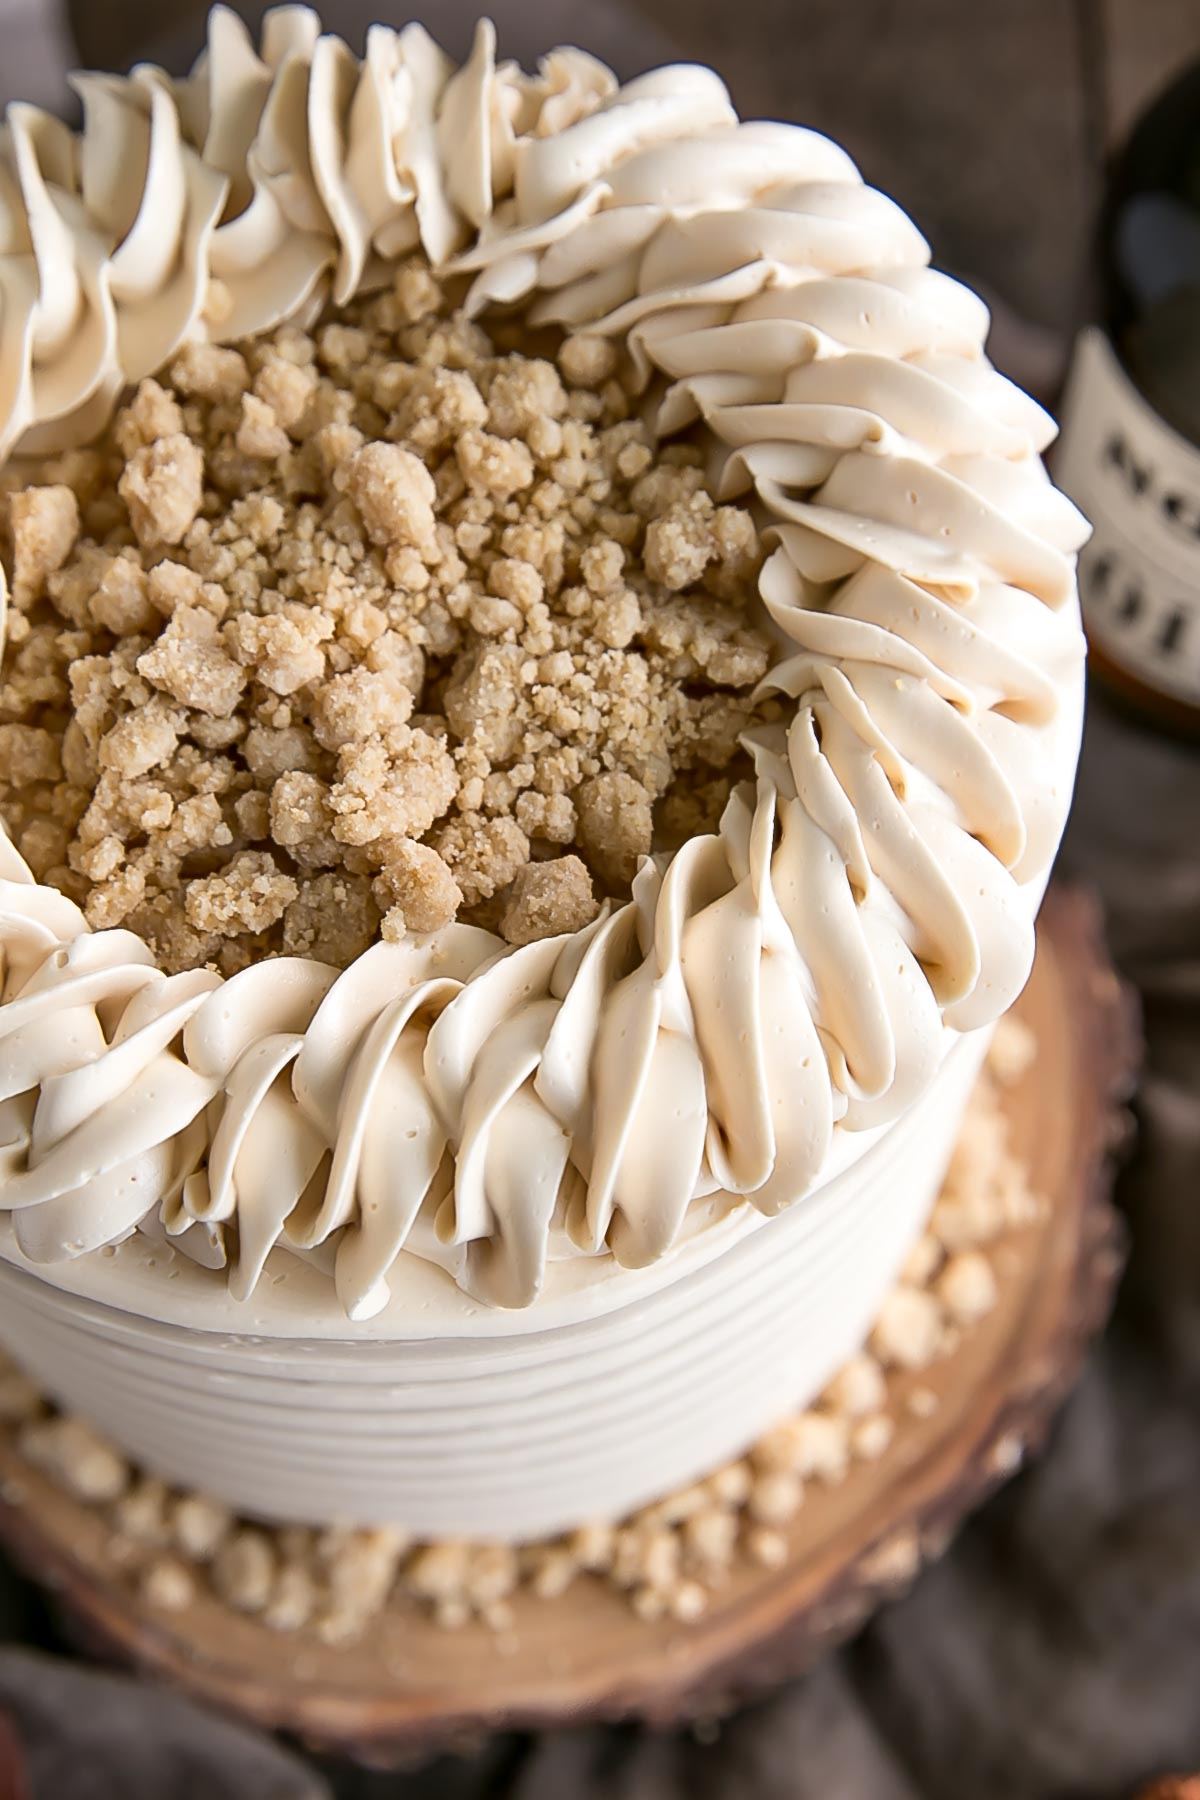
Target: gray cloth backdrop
1055	1653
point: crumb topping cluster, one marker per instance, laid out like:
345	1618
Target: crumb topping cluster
357	629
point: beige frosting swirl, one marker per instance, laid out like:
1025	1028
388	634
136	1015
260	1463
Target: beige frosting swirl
801	972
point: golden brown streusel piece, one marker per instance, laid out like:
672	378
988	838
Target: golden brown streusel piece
121	601
416	888
548	898
141	740
162	484
210	372
548	816
285	389
111	902
587	361
189	662
152	413
393	785
259	433
483	855
362	703
284	653
616	824
251	894
300	820
45	525
361	627
394	492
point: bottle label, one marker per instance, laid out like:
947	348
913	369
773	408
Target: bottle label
1138	482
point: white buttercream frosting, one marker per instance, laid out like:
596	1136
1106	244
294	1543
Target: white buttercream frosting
798	975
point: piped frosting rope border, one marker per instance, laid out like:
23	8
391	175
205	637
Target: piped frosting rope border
800	971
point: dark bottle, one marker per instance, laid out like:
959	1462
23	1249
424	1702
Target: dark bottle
1129	454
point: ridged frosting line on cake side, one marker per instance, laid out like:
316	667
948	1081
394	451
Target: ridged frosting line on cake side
490	1107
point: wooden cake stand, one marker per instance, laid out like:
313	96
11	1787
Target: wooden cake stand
410	1686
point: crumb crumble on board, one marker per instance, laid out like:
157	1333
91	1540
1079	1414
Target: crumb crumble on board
353	630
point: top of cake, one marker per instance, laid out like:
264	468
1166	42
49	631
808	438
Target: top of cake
541	662
367	630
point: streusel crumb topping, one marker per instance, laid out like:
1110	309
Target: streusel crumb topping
346	632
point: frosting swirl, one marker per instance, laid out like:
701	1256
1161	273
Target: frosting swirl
802	970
